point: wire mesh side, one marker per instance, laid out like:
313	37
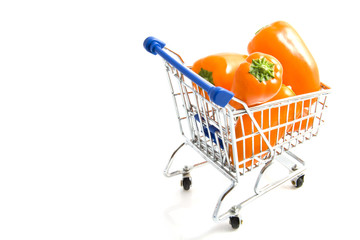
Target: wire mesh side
205	125
285	124
230	139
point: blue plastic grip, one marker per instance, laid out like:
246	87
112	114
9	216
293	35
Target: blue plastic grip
150	43
218	95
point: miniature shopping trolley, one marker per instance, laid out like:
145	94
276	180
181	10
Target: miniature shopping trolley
241	140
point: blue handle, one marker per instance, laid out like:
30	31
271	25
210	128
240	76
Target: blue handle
218	95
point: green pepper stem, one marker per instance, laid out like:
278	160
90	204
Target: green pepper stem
262	69
207	75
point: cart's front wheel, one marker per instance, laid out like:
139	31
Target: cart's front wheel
186	183
235	222
299	181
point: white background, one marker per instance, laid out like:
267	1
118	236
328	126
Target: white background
87	122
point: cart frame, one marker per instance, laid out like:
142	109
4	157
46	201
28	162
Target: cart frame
209	125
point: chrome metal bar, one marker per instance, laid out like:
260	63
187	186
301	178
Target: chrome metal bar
244	139
216	216
181	171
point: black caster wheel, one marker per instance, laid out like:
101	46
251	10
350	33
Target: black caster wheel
186	183
299	181
235	222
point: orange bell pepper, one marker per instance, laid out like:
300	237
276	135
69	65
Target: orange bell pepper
256	145
219	69
284	92
257	79
280	40
289	112
308	121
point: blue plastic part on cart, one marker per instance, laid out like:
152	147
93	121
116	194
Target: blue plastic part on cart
151	42
218	95
213	130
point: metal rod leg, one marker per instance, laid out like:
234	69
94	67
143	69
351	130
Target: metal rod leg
227	214
185	170
166	171
267	165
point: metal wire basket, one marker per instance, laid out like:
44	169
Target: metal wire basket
237	141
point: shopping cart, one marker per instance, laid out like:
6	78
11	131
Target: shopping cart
238	141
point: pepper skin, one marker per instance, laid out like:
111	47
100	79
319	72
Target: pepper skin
287	114
284	92
257	79
256	145
280	40
308	122
219	69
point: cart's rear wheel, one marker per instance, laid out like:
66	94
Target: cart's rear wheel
235	222
299	181
186	183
